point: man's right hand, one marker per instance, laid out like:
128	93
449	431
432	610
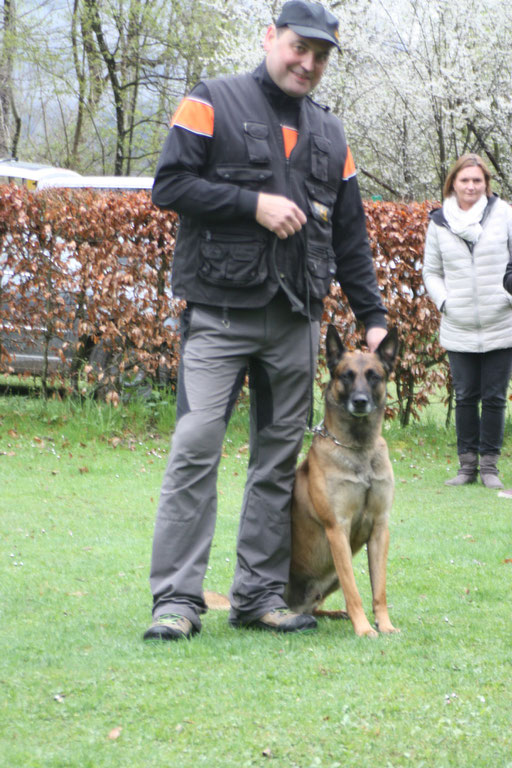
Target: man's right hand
279	215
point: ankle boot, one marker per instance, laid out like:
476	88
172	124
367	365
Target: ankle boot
489	471
468	470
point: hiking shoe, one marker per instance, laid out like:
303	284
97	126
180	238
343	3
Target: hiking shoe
280	620
170	626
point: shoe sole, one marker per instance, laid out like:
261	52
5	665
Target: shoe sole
168	635
261	627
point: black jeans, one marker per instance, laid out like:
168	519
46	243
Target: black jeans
480	377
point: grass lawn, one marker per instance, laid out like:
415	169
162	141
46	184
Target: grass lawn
78	494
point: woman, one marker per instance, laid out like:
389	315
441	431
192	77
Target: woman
466	254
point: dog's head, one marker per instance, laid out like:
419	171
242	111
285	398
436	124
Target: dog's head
358	379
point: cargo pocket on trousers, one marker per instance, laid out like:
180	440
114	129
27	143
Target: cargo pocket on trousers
232	261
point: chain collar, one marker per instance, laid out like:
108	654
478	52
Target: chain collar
322	430
363	476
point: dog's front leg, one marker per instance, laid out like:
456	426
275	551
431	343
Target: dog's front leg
378	546
342	556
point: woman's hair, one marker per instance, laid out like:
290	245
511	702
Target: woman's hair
466	161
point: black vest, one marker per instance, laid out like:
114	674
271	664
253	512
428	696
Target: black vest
239	263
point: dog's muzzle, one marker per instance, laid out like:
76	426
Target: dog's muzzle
359	405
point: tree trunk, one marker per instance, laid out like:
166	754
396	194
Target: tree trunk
6	77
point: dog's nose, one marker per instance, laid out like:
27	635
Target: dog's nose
360	402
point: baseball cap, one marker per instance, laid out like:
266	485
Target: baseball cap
309	20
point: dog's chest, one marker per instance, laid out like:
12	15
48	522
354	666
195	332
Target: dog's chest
351	474
353	490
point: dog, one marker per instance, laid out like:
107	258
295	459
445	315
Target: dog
344	488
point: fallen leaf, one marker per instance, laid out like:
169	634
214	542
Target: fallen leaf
267	752
83	470
113	398
115	733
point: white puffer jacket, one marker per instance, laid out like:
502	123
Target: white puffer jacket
466	283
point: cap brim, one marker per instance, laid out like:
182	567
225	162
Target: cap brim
318	34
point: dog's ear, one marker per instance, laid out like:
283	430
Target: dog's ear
388	349
334	348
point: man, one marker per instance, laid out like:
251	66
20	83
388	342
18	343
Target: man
270	213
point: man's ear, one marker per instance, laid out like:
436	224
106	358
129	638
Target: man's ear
269	38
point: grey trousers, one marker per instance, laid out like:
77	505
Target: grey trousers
278	349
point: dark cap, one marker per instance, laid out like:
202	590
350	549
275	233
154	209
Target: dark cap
309	20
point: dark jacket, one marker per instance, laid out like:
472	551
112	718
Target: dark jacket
223	257
507	280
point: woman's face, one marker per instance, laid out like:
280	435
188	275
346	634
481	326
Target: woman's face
469	186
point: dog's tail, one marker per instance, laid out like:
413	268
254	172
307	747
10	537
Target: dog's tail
215	601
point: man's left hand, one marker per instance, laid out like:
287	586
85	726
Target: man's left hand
374	337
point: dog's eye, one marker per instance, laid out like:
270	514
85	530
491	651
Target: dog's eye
372	376
347	377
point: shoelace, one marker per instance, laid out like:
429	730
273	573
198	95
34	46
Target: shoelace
166	618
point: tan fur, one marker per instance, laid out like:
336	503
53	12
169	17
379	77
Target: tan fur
215	601
344	489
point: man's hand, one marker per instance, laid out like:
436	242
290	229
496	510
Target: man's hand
279	215
374	337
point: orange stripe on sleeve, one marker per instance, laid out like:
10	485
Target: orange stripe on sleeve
350	168
290	136
195	116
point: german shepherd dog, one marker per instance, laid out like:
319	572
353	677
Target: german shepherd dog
344	489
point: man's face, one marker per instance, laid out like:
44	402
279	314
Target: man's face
295	64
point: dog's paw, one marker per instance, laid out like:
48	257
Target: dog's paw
386	628
366	631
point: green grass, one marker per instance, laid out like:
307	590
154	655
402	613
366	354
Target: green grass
78	492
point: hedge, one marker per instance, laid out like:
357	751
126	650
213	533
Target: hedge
97	264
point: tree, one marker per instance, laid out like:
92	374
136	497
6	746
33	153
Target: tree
417	83
108	73
10	121
421	82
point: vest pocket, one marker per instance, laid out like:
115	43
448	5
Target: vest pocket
321	200
232	260
320	147
245	176
256	141
321	269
